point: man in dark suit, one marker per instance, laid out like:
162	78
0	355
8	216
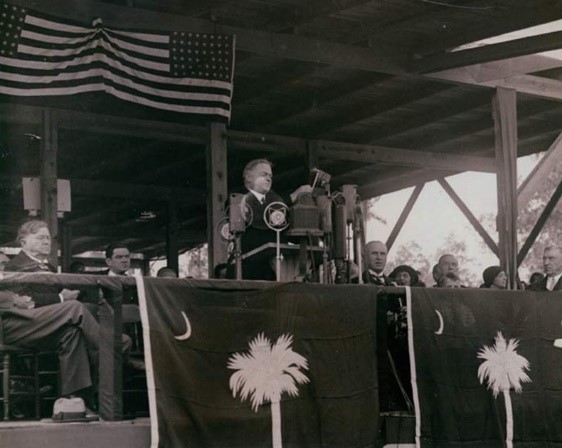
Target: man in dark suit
43	316
552	261
258	177
376	253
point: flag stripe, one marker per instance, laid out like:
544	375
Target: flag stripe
415	395
143	50
112	90
43	51
53	68
58	25
45	39
93	50
183	72
107	74
155	38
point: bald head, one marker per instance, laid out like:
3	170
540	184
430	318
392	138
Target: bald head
552	260
376	256
448	263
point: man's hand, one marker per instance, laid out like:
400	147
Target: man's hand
70	294
23	302
302	189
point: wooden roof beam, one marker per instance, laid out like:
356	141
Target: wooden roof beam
394	182
474	101
405	157
312	100
532	85
487	53
252	41
374	108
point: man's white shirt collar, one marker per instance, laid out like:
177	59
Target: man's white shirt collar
113	274
260	196
554	280
376	274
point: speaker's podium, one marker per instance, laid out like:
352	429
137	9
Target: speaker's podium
291	254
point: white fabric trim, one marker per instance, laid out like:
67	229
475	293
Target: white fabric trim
151	385
413	366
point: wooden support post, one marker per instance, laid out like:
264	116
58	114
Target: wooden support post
471	218
539	225
172	240
403	216
505	130
216	193
110	355
49	147
66	247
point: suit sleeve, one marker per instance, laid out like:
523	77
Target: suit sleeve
42	295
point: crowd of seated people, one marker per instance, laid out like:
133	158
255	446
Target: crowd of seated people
446	274
46	315
43	316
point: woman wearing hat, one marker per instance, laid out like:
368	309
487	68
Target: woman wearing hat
494	278
404	275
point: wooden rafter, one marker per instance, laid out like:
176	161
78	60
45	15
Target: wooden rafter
492	52
374	154
366	111
469	215
532	85
473	101
524	14
539	225
404	216
534	181
313	100
258	42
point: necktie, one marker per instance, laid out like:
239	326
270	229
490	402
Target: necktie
551	282
262	200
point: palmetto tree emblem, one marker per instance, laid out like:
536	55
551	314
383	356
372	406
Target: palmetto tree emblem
504	369
265	372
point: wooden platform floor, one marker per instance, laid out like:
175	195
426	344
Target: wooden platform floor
45	434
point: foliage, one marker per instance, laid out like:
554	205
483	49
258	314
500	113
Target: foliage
411	253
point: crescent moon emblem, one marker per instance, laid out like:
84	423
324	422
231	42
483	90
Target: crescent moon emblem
441	323
187	334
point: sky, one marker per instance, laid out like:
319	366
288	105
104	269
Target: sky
435	216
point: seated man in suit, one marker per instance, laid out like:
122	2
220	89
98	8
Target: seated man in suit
258	177
552	261
376	253
43	316
35	240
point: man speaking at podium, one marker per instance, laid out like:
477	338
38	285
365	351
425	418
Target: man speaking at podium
258	178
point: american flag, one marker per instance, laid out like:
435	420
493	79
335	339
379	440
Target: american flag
175	71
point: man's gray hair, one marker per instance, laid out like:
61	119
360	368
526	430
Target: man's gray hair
30	228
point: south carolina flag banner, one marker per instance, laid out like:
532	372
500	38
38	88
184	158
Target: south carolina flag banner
176	71
486	368
288	365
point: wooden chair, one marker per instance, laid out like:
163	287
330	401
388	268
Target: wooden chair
9	354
